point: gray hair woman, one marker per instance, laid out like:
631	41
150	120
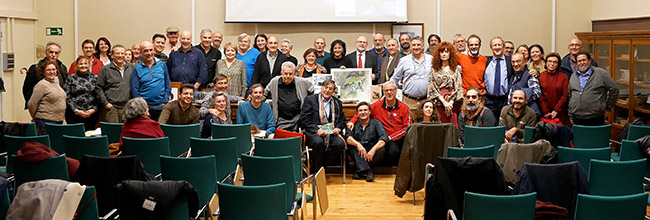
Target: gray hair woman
138	124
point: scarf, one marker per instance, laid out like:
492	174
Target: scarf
471	117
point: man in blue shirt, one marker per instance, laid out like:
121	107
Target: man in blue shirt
380	50
256	112
187	65
150	81
498	70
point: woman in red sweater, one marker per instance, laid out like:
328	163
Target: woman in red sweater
138	124
555	90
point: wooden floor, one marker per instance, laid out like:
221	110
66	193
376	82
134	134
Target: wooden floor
359	199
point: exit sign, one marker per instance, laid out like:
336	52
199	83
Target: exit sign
54	31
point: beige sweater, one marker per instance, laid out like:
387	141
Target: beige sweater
47	101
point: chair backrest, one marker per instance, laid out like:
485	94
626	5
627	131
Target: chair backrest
491	207
582	155
270	170
31	129
241	131
51	168
89	203
203	175
483	136
131	195
630	150
637	131
607	178
528	134
15	143
487	151
252	202
224	151
281	147
147	150
593	207
179	136
77	147
591	136
56	132
112	130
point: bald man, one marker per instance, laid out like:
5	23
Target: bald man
150	81
569	64
187	64
361	58
380	49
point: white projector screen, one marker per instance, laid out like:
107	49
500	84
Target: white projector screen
316	11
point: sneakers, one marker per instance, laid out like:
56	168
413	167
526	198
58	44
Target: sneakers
370	177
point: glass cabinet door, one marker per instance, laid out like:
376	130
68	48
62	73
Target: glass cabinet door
602	54
641	74
621	75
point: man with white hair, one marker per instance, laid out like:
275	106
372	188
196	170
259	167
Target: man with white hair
212	55
361	58
287	93
52	52
187	64
460	43
285	47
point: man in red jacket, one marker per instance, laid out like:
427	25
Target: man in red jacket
395	117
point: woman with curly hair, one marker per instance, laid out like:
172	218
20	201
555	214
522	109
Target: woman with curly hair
445	84
427	113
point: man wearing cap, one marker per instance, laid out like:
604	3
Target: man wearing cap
172	43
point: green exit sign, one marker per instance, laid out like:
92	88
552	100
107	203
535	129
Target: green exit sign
54	31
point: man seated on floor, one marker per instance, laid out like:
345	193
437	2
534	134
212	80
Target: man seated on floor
181	111
473	113
322	120
220	86
287	94
517	116
394	115
366	142
256	112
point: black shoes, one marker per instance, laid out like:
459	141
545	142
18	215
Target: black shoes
356	175
370	177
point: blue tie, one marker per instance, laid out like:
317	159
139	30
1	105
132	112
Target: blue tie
497	78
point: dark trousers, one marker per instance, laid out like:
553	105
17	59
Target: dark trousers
40	125
319	152
393	151
595	121
155	110
89	122
496	103
362	164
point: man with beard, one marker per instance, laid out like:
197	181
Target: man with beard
405	44
217	38
287	93
592	92
498	71
379	50
522	80
473	65
361	58
460	43
516	117
256	112
181	111
474	113
434	40
52	52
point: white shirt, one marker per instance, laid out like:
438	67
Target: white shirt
363	59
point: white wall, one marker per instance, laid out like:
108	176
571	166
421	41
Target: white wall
604	9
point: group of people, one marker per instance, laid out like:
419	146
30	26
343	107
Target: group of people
448	82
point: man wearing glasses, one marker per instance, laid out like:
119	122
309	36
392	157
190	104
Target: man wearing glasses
569	63
395	117
474	113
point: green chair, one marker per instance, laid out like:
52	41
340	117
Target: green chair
179	136
224	151
630	150
87	209
241	131
15	143
271	170
582	155
252	202
203	176
591	136
51	168
487	151
56	132
112	130
5	202
607	178
31	130
147	150
491	207
528	134
77	147
484	136
593	207
637	131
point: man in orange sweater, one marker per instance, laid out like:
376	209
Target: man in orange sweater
473	65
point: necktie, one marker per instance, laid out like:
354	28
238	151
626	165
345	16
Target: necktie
497	78
360	62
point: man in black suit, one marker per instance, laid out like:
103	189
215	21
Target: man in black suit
498	70
269	63
322	109
362	58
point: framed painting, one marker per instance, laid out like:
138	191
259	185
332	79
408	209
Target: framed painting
412	29
353	84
